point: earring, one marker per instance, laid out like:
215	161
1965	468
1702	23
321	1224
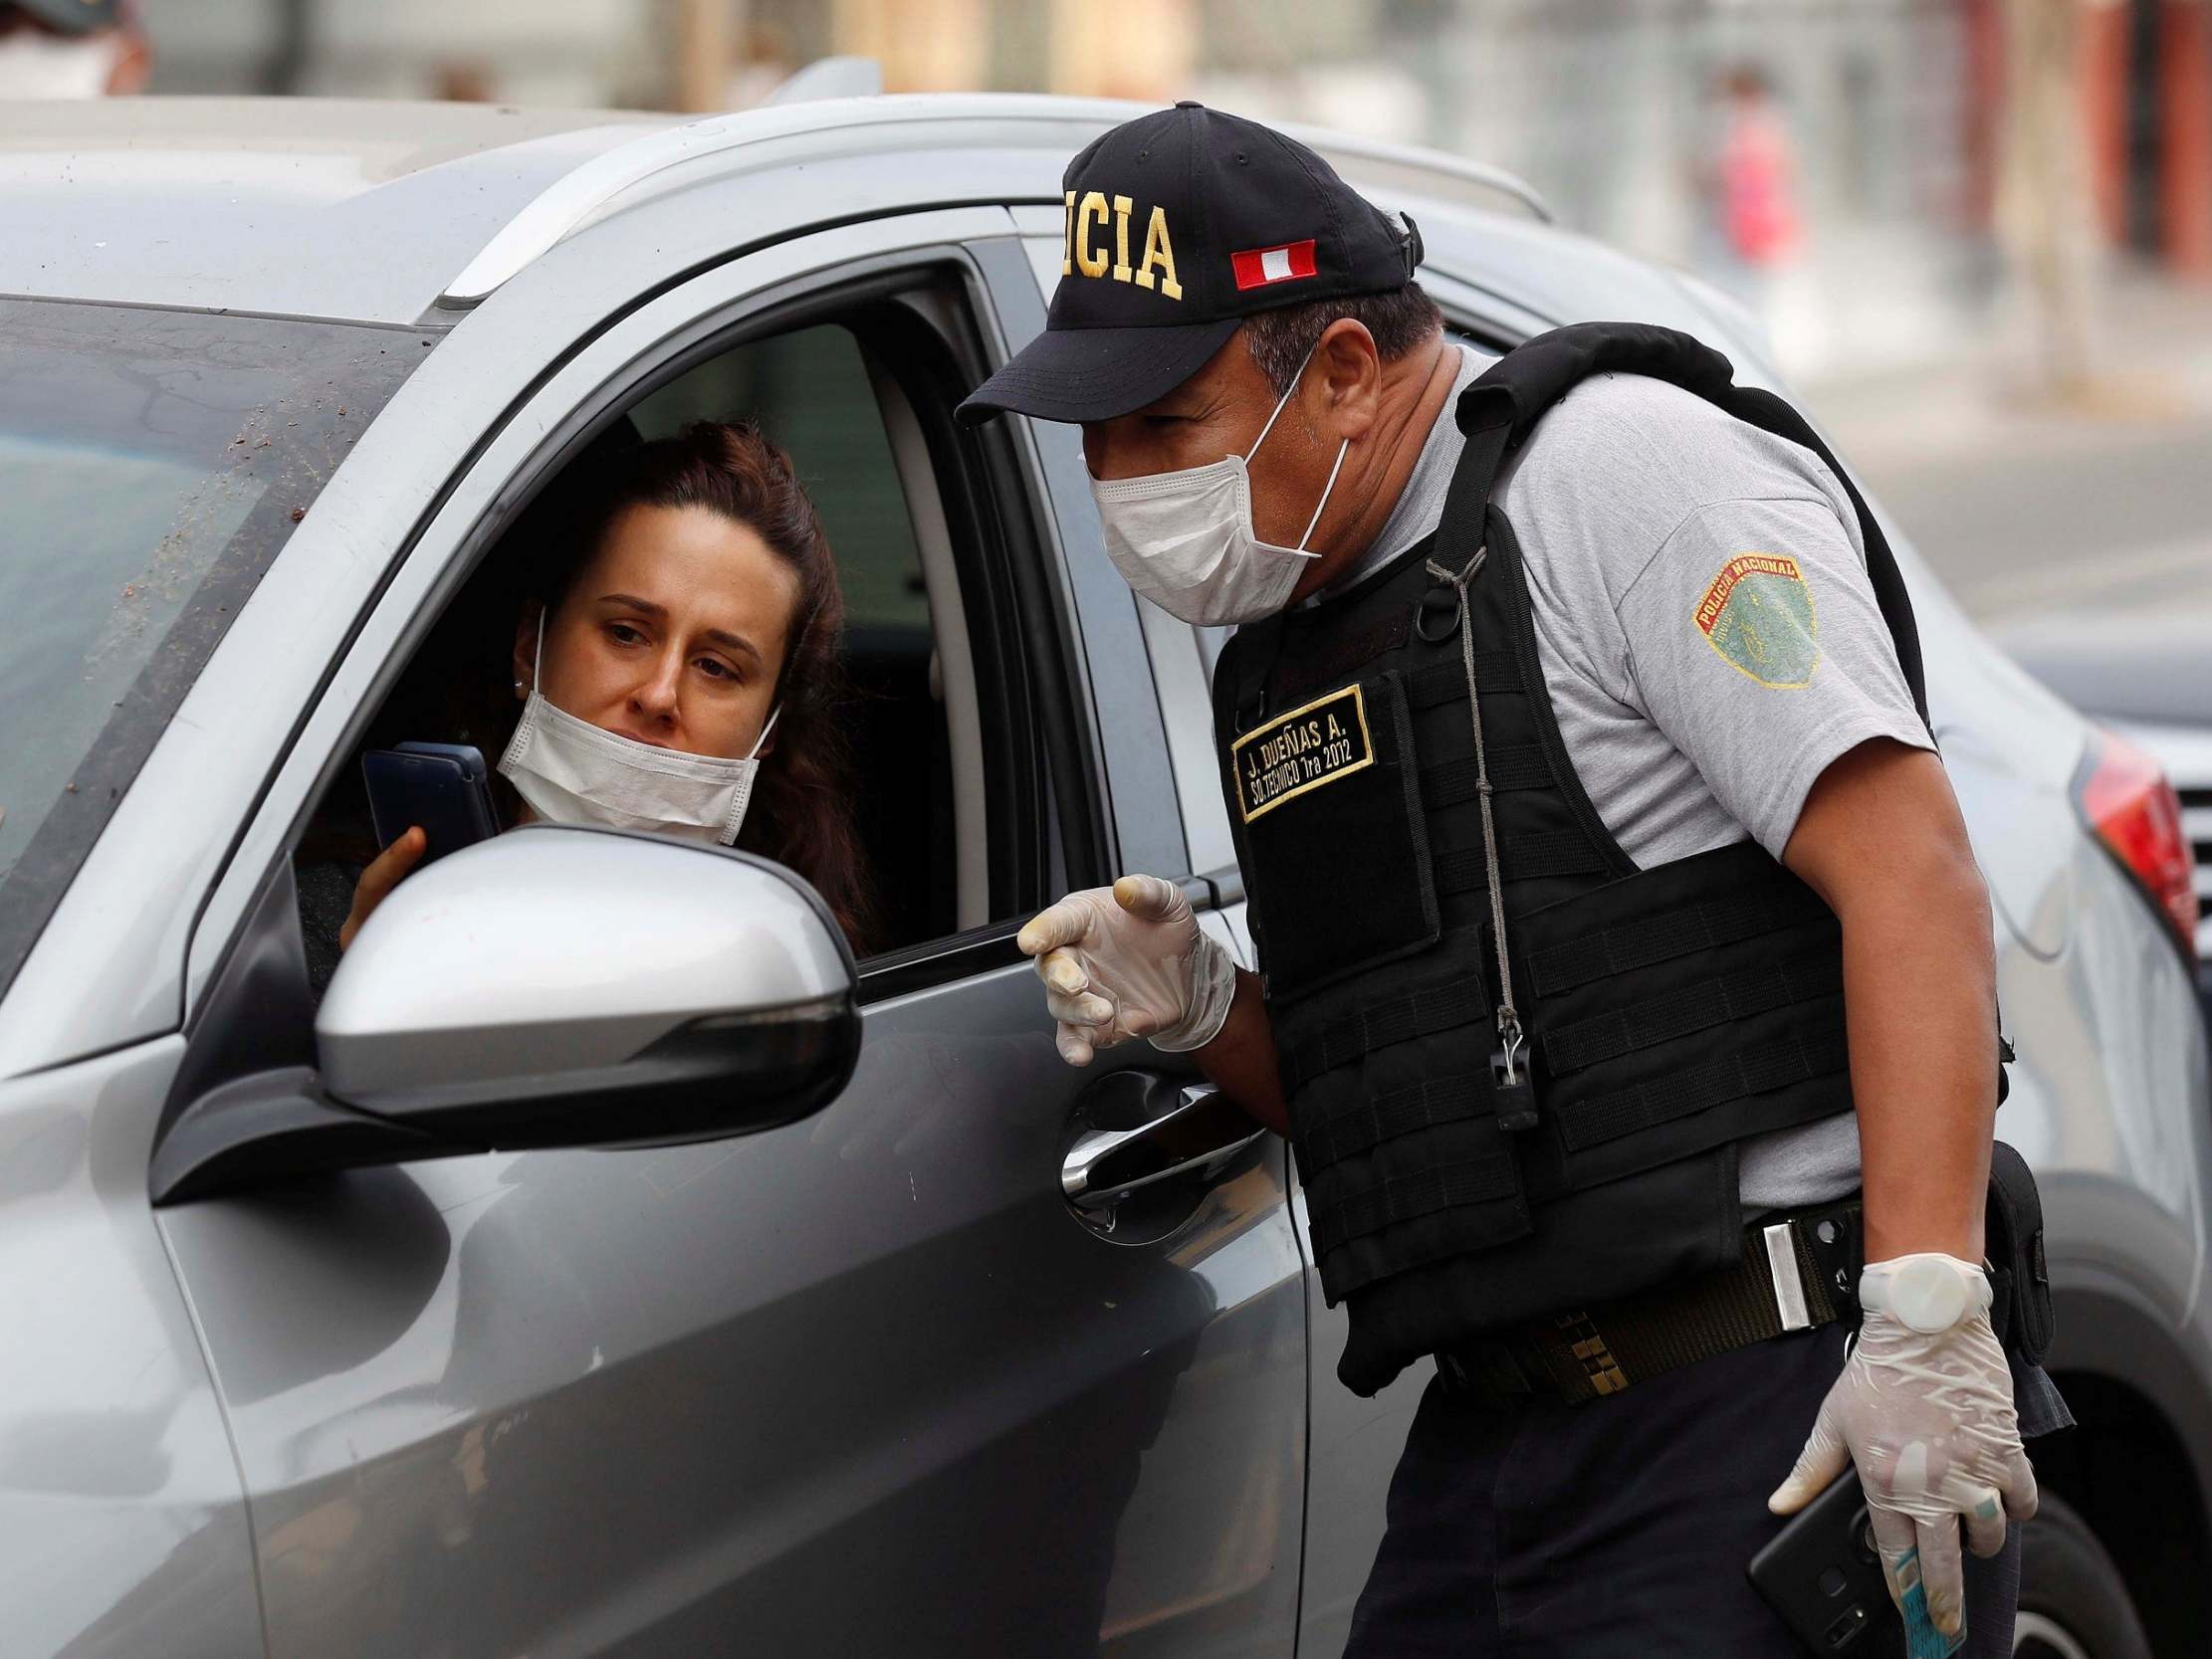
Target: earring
518	685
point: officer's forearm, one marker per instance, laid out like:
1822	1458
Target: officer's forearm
1882	842
1920	1002
1242	1057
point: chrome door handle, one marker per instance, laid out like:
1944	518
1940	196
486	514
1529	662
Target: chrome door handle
1196	1139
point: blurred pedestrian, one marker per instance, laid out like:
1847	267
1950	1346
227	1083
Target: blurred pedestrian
72	49
1757	174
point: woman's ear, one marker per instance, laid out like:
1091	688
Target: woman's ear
526	648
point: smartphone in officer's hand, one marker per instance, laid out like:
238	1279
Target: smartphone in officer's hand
444	787
1822	1575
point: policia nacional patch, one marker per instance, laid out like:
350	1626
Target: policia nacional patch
1320	742
1758	617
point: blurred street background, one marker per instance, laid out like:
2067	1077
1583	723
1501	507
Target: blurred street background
1979	231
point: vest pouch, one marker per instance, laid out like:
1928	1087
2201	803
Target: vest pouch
1329	827
2019	1278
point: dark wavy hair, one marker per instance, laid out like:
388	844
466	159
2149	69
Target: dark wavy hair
800	814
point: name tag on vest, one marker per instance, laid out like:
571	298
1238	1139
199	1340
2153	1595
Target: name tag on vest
1301	750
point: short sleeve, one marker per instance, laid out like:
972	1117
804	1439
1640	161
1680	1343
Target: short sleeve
1755	644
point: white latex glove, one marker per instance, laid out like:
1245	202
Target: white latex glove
1928	1417
1129	961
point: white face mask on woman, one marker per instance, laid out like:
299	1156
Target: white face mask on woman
1184	540
574	772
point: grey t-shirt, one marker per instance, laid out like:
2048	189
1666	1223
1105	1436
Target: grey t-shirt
1707	634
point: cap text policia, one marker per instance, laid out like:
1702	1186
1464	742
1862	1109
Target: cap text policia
1178	226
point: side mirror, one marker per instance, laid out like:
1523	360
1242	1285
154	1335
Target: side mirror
550	988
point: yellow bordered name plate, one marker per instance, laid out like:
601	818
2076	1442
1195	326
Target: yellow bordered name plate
1304	750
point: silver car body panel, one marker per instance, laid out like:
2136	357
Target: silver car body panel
122	1524
860	1384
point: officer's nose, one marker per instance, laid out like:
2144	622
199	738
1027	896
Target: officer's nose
1115	449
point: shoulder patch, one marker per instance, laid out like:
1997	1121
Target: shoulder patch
1758	617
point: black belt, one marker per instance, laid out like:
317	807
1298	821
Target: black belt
1796	1272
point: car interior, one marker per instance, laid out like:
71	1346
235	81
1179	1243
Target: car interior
828	395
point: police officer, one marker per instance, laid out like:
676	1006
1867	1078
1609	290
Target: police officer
72	49
1573	742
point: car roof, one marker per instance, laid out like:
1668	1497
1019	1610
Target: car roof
374	210
305	207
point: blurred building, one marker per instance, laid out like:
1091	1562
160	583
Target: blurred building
1614	108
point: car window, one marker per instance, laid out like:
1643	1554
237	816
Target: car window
813	393
151	464
929	801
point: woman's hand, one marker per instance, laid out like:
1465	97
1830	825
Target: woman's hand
380	878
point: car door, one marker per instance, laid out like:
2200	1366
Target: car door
871	1382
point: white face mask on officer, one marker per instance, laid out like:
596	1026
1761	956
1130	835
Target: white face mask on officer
33	64
574	772
1184	540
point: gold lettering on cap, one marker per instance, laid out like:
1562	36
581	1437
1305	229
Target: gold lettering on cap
1067	237
1094	207
1158	251
1122	205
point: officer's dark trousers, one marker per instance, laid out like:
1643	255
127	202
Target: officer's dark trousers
1616	1530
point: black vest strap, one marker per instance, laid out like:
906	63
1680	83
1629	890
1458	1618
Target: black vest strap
1514	766
1497	672
1499	410
1525	858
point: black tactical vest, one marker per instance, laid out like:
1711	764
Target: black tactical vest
1481	1149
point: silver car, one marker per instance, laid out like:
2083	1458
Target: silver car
610	1263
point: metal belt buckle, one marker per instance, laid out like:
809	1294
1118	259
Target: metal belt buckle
1789	1288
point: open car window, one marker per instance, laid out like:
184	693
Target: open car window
947	804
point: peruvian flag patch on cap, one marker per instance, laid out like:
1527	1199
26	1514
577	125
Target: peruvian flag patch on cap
1260	267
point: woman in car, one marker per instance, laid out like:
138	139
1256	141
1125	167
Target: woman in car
678	667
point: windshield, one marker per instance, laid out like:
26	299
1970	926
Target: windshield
151	464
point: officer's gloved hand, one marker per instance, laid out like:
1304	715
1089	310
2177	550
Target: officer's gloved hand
1924	1409
1129	961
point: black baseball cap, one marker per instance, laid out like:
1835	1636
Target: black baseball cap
1180	225
71	16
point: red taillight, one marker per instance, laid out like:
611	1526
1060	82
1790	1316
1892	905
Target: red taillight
2124	795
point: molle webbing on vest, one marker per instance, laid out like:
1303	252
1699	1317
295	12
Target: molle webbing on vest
1445	681
1450	1099
1524	858
1412	1196
1453	782
1700	1006
1384	1020
1298	679
1660	939
1732	1076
